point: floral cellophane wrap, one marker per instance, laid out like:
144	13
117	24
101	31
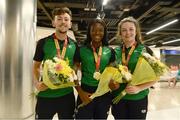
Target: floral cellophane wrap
148	69
58	74
119	75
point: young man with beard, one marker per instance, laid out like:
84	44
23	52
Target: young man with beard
60	101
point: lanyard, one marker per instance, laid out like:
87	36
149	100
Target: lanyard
59	53
124	60
97	57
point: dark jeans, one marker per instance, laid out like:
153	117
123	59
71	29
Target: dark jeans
130	109
97	109
64	106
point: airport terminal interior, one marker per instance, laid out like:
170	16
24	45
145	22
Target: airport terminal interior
23	23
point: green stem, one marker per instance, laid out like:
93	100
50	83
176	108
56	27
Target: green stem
119	97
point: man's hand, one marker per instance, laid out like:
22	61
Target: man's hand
40	86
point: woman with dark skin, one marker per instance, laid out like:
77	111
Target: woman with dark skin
94	57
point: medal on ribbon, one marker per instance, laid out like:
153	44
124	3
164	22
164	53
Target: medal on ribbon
60	54
97	58
124	60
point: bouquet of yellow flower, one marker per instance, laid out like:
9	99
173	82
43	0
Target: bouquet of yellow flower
120	75
158	67
58	74
148	69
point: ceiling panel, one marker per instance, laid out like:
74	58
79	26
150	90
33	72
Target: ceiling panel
149	13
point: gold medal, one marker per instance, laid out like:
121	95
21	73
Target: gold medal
97	58
97	75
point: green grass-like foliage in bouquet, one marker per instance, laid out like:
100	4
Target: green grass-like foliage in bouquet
148	69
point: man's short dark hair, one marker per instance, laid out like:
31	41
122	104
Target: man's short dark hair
59	11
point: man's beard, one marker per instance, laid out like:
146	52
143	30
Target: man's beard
61	31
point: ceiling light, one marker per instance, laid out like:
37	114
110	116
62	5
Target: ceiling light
86	9
152	46
105	2
93	9
158	28
126	9
176	40
171	41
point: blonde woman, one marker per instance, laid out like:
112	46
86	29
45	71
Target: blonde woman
134	104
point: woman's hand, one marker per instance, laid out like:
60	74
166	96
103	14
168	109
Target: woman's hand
113	85
132	89
84	96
